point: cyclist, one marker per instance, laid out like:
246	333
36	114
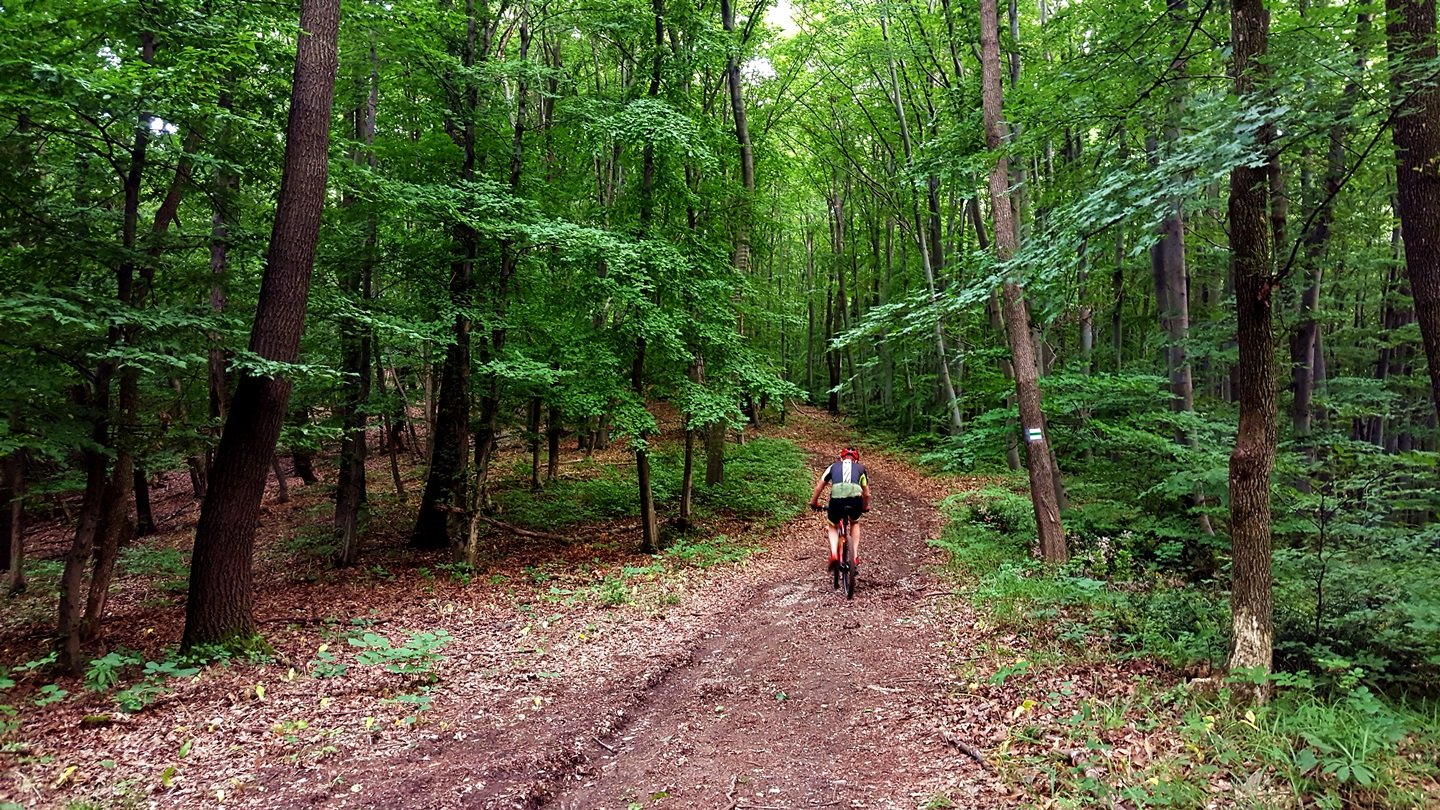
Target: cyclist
849	499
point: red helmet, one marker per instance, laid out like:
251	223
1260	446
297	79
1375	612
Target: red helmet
850	453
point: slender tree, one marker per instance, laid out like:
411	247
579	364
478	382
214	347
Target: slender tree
1043	473
220	607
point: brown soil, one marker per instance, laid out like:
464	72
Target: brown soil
738	686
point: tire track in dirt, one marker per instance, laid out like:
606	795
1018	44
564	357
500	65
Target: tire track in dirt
800	698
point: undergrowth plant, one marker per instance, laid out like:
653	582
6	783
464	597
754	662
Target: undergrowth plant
1332	737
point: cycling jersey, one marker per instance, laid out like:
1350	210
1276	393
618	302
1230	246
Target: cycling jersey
846	479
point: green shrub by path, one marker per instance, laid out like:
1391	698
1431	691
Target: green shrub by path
1328	739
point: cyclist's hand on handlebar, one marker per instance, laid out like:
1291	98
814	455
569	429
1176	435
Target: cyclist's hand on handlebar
815	505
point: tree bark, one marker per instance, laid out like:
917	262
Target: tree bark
533	429
1410	27
1043	473
220	607
1253	459
649	522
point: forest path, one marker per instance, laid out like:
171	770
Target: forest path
800	698
759	687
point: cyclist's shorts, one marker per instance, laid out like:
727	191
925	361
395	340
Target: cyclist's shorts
844	508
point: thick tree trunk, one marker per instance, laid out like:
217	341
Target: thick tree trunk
715	454
1027	389
1253	459
219	609
1410	25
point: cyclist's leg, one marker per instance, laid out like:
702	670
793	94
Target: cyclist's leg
854	535
834	512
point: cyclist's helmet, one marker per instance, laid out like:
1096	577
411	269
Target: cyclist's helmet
850	453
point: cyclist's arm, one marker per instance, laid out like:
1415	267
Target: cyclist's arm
819	487
865	492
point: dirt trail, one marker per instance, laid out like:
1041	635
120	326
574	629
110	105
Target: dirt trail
800	698
764	689
738	686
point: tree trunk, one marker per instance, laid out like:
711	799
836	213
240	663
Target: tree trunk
355	285
649	523
443	520
554	429
82	548
1022	350
533	430
1253	458
144	515
107	497
1410	26
687	481
928	248
219	609
222	197
715	454
12	528
302	461
393	423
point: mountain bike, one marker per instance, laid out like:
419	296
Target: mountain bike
845	571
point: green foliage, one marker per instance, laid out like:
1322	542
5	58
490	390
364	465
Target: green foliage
1322	739
415	658
327	664
153	683
104	673
708	552
459	572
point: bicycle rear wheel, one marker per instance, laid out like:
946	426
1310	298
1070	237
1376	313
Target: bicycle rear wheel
847	568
